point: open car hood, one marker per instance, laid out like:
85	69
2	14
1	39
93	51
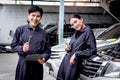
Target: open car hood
113	32
112	7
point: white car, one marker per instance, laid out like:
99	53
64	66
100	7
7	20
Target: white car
108	49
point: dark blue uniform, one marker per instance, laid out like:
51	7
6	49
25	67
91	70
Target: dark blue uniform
83	44
39	44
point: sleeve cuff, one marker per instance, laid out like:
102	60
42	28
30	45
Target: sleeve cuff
21	48
77	53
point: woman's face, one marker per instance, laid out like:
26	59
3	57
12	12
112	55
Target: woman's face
34	18
76	23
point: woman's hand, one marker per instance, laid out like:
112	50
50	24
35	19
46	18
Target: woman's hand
26	47
68	47
41	60
72	59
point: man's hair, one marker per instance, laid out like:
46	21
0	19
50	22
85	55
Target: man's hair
34	8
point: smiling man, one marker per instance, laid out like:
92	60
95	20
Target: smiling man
30	39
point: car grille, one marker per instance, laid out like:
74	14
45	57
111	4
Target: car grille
54	56
90	68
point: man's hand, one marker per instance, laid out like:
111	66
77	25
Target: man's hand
26	47
41	60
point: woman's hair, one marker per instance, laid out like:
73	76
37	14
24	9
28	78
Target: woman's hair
34	8
75	16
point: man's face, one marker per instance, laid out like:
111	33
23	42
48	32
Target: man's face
76	23
34	18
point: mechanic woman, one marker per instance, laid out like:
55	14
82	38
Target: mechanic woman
82	45
30	39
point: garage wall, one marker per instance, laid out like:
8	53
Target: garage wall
12	16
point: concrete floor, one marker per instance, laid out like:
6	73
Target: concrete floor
8	62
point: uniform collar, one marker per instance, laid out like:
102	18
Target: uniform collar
36	29
84	29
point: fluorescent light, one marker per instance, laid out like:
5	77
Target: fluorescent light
49	3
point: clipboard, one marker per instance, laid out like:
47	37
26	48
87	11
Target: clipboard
34	57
